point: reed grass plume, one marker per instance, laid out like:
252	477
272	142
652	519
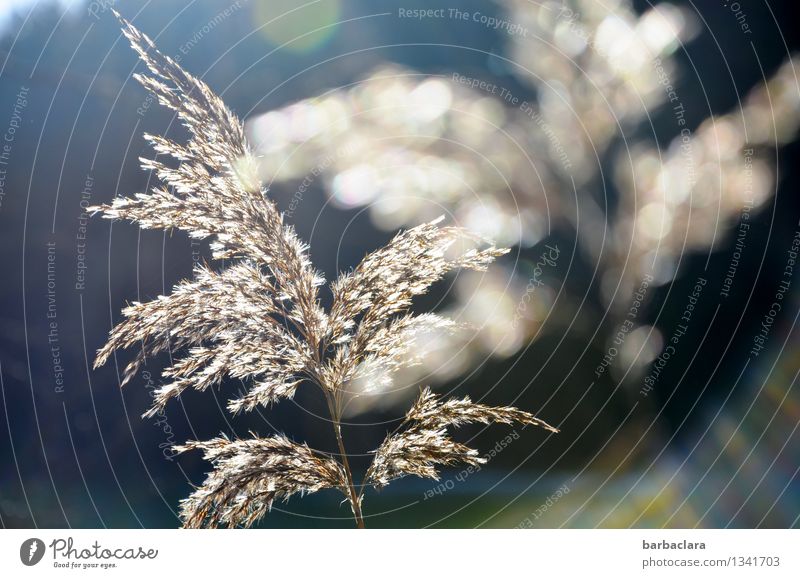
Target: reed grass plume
257	317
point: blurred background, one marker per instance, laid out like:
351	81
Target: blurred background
640	159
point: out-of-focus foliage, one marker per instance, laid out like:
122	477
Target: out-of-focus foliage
410	146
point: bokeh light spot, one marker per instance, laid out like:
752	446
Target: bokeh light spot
303	28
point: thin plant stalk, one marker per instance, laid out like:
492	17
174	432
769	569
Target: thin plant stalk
354	497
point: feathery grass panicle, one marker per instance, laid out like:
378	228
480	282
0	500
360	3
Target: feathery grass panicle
250	474
422	441
259	320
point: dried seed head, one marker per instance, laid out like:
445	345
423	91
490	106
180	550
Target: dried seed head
424	442
250	474
259	319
